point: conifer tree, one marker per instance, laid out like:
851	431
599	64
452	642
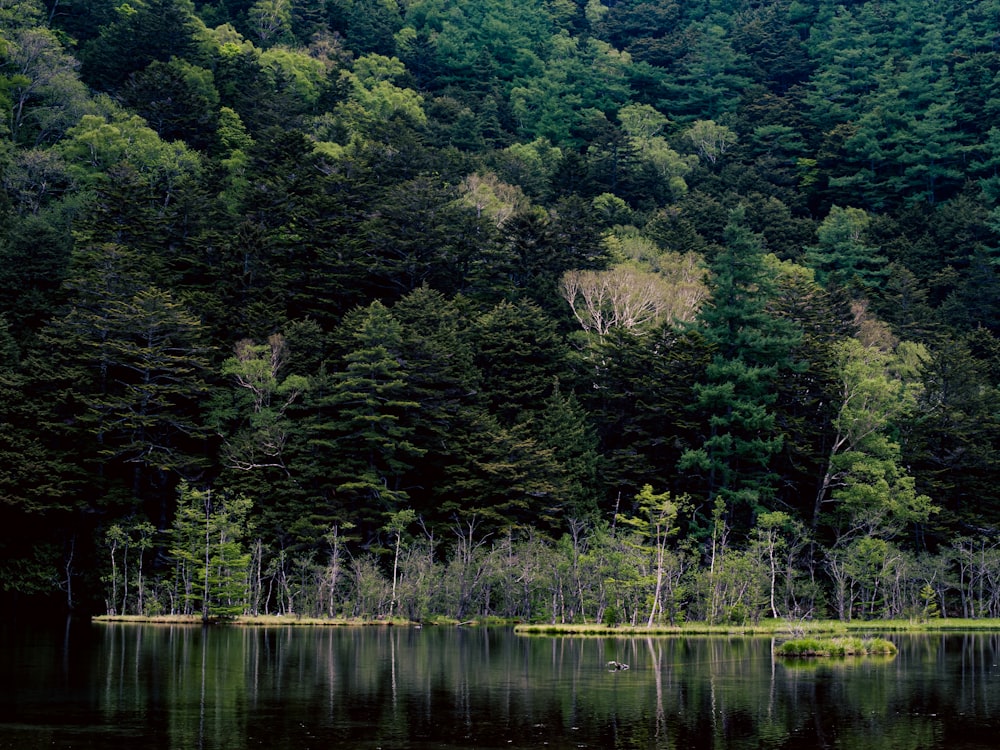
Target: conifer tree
562	427
128	363
639	396
211	567
752	350
506	479
842	253
437	347
364	429
140	33
519	353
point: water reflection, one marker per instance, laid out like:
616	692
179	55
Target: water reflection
227	687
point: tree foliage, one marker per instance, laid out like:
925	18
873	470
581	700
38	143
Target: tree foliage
384	293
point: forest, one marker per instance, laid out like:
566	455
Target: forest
634	311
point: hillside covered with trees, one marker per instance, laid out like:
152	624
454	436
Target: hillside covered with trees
631	310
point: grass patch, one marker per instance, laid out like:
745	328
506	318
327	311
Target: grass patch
834	647
255	620
152	619
780	628
937	625
765	627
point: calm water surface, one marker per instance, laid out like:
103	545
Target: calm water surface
175	687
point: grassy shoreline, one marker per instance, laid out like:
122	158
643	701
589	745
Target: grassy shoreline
782	628
249	620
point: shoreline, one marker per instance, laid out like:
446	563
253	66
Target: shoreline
251	620
782	628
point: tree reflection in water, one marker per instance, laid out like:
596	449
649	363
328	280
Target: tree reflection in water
392	687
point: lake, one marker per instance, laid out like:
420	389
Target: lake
175	687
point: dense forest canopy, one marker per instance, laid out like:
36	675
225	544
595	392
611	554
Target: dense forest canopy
622	311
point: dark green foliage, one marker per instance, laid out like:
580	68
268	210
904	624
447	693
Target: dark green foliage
34	255
778	55
956	438
805	394
507	480
120	374
563	428
640	388
520	355
645	30
178	100
363	435
437	346
39	475
752	351
535	251
310	256
419	234
139	34
286	253
711	76
247	88
370	27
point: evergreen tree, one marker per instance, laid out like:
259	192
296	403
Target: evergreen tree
132	361
142	32
363	436
711	76
752	352
638	388
34	256
419	233
371	26
841	253
805	395
211	566
953	444
437	348
506	479
562	427
520	355
47	496
177	99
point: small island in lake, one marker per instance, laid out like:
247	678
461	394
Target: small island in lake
836	646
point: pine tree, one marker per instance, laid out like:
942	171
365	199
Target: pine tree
506	479
128	363
805	396
563	427
752	351
519	352
141	33
639	395
420	234
365	421
211	567
842	254
437	347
